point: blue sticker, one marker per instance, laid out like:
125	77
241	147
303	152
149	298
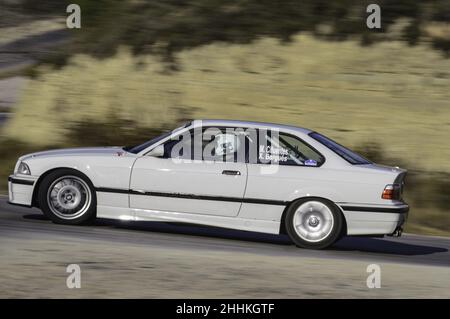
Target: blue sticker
310	162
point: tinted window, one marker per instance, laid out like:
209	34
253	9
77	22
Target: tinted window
286	149
345	153
209	144
139	148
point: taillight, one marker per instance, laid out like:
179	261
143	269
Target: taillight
392	192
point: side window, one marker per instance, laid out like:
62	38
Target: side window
172	149
223	146
208	144
286	149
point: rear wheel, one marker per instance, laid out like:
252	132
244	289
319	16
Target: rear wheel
67	197
313	223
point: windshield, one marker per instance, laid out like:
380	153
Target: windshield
139	148
345	153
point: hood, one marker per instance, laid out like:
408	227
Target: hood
88	151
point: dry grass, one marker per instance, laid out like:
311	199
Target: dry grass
15	31
388	94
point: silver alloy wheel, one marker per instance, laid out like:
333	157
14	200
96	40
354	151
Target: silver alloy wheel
313	221
69	197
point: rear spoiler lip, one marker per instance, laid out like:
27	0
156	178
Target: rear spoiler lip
401	177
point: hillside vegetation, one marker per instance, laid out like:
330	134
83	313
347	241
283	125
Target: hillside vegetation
389	101
388	94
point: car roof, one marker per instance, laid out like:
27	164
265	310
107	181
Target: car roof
253	124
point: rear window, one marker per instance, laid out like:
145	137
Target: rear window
345	153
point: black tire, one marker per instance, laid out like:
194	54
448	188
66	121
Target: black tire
333	232
86	210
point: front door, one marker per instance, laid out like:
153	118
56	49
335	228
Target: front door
211	181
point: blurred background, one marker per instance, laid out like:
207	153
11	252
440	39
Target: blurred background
136	68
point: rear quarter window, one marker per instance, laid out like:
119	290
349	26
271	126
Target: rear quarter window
286	149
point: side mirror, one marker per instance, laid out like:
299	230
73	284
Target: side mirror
158	151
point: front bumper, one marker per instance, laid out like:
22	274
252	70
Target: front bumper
20	189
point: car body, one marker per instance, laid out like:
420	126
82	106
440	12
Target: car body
300	183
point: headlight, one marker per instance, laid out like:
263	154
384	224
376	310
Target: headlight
23	169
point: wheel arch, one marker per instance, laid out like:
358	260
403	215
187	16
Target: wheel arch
283	216
34	198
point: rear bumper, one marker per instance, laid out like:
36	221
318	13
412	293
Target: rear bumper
394	209
20	190
374	220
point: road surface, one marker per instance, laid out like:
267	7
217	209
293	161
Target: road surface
157	260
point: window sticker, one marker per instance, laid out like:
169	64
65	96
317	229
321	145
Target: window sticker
310	162
273	154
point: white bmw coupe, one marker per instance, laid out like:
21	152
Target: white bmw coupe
250	176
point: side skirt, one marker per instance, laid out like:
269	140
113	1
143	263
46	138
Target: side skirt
133	214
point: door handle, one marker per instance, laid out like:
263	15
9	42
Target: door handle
227	172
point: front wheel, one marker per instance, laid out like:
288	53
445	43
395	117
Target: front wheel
313	223
66	197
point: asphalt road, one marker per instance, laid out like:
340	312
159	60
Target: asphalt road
411	249
24	230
